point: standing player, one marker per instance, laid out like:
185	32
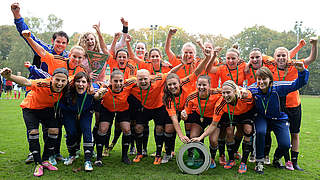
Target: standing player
38	105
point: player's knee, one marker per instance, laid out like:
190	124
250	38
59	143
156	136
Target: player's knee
53	130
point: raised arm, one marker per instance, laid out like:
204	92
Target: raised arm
314	51
101	40
35	46
7	74
211	68
132	55
21	26
208	56
303	77
297	48
168	50
122	41
114	42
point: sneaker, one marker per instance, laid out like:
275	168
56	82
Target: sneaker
230	164
98	163
69	160
267	160
138	158
133	150
278	164
111	146
242	168
289	166
52	160
157	160
237	156
259	168
252	158
78	154
29	159
222	160
106	152
126	160
166	158
213	164
59	157
38	171
190	161
296	167
49	166
88	166
144	152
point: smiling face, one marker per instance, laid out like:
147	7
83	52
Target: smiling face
58	82
155	57
117	82
122	59
281	57
81	85
91	42
263	83
188	54
60	44
140	50
203	87
143	79
229	94
256	59
232	59
75	57
173	86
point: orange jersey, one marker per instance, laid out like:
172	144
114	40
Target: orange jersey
267	61
293	98
129	71
178	103
238	76
148	66
186	69
242	106
192	103
40	96
154	99
54	62
117	102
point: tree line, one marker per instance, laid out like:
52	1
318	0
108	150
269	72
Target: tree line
14	51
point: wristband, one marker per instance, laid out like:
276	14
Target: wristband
125	29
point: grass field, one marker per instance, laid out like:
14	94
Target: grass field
13	142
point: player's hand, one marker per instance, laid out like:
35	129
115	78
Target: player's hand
299	65
128	38
117	35
172	31
97	27
124	22
184	139
313	40
184	115
6	72
26	33
27	64
196	139
302	42
15	8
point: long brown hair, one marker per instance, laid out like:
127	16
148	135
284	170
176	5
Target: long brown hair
167	95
